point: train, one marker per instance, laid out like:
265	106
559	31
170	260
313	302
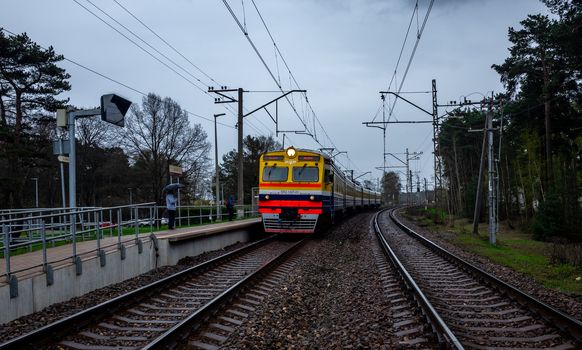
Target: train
301	191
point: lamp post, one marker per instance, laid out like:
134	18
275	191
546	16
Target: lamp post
35	179
218	214
130	195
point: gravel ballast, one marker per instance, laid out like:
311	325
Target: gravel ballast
334	300
61	310
569	303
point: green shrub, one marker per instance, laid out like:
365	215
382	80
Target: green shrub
548	221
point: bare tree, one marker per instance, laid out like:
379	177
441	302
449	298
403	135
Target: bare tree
391	187
95	132
158	135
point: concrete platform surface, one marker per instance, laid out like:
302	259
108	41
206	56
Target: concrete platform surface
28	265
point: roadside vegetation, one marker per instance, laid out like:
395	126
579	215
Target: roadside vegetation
537	156
555	265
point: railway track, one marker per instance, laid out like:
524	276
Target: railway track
217	325
408	323
469	308
161	314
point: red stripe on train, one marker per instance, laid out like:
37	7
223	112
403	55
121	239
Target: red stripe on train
289	203
286	230
263	210
284	184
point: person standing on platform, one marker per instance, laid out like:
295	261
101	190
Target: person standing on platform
171	207
230	207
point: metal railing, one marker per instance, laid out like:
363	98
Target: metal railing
27	230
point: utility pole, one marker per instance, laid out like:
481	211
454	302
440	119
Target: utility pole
239	124
417	189
492	199
408	173
479	184
113	109
409	176
224	98
385	123
490	160
384	130
218	204
35	179
425	192
351	174
408	179
435	141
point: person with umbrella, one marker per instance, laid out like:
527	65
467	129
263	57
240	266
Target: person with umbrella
230	207
171	201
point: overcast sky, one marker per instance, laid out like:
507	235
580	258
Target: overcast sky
342	52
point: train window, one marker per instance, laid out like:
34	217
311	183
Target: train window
328	176
306	174
275	174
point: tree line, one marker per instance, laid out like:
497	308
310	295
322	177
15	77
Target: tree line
539	163
114	165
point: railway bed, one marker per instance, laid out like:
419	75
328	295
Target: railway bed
481	311
349	286
152	314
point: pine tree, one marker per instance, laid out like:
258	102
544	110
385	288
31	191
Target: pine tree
30	82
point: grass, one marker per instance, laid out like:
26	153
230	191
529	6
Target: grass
516	250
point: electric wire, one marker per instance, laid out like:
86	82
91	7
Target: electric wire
139	46
247	36
137	36
230	108
166	42
277	82
414	11
146	43
118	82
419	35
292	77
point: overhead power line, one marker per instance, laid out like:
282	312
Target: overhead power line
166	42
229	108
418	37
138	45
157	51
293	80
127	86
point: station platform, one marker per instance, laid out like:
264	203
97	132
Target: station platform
121	258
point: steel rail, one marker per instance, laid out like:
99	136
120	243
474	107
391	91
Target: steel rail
563	321
445	336
59	329
179	333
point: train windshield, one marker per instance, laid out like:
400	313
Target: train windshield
306	174
275	174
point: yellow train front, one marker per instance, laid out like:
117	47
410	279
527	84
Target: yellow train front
301	189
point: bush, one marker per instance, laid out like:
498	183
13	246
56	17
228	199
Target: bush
548	221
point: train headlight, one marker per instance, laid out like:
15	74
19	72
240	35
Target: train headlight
291	152
312	198
267	197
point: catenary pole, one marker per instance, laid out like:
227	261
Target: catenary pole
491	180
240	148
479	184
218	204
